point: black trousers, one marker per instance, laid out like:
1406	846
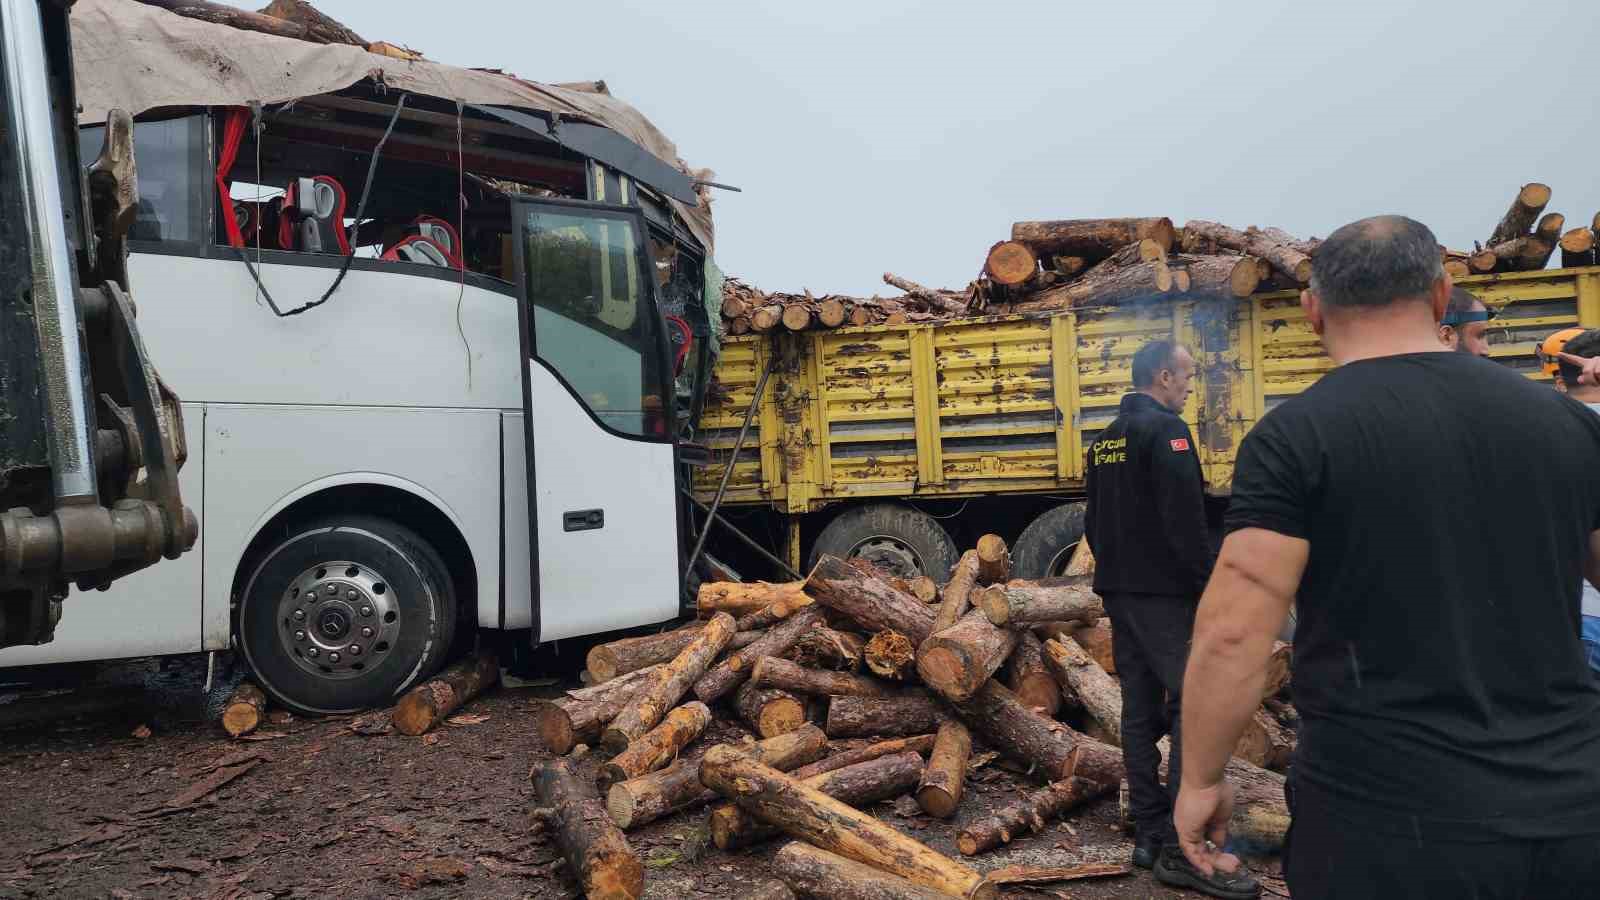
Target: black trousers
1150	642
1328	856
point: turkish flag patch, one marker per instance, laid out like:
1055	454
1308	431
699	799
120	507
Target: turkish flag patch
1180	444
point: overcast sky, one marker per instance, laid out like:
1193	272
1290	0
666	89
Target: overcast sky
888	134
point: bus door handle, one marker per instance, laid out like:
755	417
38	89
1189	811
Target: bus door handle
583	520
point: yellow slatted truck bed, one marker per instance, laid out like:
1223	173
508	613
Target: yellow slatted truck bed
1002	407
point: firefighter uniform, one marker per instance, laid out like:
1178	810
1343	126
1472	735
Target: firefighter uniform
1146	523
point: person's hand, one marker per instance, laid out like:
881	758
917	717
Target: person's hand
1588	367
1201	819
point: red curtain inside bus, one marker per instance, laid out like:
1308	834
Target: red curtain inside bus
232	136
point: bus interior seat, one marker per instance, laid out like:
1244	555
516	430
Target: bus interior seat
311	216
442	233
418	248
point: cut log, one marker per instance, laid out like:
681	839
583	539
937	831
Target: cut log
1141	281
1550	227
427	704
1457	268
734	307
1052	874
939	792
322	27
858	785
1082	561
244	20
956	597
1140	251
1069	266
1517	221
819	875
1010	263
597	854
1097	639
938	301
733	671
1279	236
1265	742
1020	733
921	744
1281	257
883	716
1093	239
669	683
1029	815
797	316
870	601
247	706
768	711
1278	672
924	588
781	608
1577	248
860	315
994	559
824	648
1523	254
1482	262
607	661
812	816
890	654
1225	276
1076	671
639	801
741	598
831	312
1028	678
765	318
739	325
622	684
565	723
785	675
660	745
957	661
1026	603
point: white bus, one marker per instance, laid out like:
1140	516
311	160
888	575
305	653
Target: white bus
474	430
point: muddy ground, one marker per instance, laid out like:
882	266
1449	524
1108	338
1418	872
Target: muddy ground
118	783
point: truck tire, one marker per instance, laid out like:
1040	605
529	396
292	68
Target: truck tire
1045	546
898	539
383	617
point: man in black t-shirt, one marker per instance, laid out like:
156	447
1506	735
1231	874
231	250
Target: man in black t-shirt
1450	732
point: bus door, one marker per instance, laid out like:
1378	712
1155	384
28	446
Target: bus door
596	388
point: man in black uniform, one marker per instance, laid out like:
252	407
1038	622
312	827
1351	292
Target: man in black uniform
1146	523
1449	743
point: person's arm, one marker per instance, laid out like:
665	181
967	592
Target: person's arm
1241	612
1088	492
1180	495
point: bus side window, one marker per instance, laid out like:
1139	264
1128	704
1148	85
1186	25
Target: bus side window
169	154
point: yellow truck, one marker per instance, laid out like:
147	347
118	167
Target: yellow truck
901	443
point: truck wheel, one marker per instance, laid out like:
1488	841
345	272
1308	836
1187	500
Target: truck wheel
345	613
897	539
1045	546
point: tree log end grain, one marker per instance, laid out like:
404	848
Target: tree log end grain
1534	195
994	559
418	709
245	709
924	589
1070	266
992	600
554	724
831	312
1457	268
860	315
890	654
1010	263
1578	240
739	325
766	318
1482	262
797	317
1551	226
770	712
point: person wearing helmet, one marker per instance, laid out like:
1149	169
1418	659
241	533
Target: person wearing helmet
1562	355
1465	326
1550	350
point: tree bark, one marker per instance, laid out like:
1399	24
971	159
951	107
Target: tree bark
994	559
1091	238
1093	289
936	301
819	875
882	716
1278	671
939	793
785	675
639	801
321	27
1279	236
873	603
565	723
1069	266
668	685
622	684
1028	678
427	704
1028	815
607	661
1099	693
597	854
732	672
1010	263
1577	248
769	890
957	661
1518	220
247	706
921	744
957	594
1550	227
768	711
1098	640
779	609
1019	732
659	745
890	654
1283	258
1225	276
858	785
244	20
1524	254
812	816
824	648
1265	742
741	598
1027	603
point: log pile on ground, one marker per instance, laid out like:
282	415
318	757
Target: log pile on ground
1011	674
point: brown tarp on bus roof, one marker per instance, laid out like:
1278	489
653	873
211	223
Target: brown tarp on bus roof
137	57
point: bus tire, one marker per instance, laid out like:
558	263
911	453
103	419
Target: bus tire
383	616
898	539
1045	547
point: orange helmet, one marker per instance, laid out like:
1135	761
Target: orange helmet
1553	345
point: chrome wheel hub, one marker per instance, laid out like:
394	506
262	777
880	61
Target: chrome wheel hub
337	619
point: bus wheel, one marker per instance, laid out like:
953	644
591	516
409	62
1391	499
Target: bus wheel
897	539
1046	545
345	613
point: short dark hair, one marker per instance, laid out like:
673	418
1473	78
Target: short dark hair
1149	360
1374	262
1585	345
1463	301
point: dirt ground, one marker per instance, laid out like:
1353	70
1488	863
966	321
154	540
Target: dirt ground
123	786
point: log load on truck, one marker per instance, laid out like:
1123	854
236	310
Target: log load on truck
91	440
